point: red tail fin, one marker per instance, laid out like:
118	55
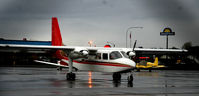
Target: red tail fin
56	38
56	34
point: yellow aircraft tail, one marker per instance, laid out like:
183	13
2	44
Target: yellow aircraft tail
156	61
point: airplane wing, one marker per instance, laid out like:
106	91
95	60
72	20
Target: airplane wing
46	47
160	50
91	50
16	46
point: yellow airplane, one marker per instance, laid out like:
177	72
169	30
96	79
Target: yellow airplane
148	65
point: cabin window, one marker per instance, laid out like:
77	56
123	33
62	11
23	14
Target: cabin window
115	55
98	56
105	56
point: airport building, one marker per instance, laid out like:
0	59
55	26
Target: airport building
25	42
15	57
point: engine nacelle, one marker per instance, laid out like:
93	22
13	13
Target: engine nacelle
82	51
79	53
130	53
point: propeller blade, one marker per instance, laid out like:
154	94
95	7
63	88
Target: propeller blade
134	44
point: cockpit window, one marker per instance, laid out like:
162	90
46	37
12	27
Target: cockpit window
115	55
124	54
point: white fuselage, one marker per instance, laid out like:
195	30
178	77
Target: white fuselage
103	62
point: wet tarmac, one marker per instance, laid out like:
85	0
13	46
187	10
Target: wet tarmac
20	81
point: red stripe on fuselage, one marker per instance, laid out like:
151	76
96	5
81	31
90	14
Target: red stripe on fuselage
103	63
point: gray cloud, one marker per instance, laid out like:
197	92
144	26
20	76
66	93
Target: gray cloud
101	20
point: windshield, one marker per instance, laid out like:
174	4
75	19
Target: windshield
124	54
115	55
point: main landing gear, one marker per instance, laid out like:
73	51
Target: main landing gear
59	68
70	76
117	77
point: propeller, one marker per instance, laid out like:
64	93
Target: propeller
134	45
132	53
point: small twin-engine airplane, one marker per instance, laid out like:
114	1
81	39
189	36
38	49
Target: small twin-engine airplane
114	60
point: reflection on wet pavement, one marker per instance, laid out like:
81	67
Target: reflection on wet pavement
18	79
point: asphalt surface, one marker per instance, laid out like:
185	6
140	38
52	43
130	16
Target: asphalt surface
20	81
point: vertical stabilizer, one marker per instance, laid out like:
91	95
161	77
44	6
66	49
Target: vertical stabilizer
156	61
56	34
57	39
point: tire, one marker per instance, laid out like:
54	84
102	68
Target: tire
116	76
70	76
130	78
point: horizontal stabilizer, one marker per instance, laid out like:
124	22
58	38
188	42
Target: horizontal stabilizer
50	63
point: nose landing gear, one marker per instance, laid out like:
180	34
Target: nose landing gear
130	78
116	77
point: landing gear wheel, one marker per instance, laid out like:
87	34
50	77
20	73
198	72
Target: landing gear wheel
70	76
59	68
150	70
130	78
116	76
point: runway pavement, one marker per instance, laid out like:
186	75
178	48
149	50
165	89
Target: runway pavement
21	81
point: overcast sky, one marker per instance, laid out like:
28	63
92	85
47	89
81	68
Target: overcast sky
102	21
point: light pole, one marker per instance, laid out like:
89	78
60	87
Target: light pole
128	31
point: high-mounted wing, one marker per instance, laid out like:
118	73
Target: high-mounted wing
15	46
45	47
160	50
